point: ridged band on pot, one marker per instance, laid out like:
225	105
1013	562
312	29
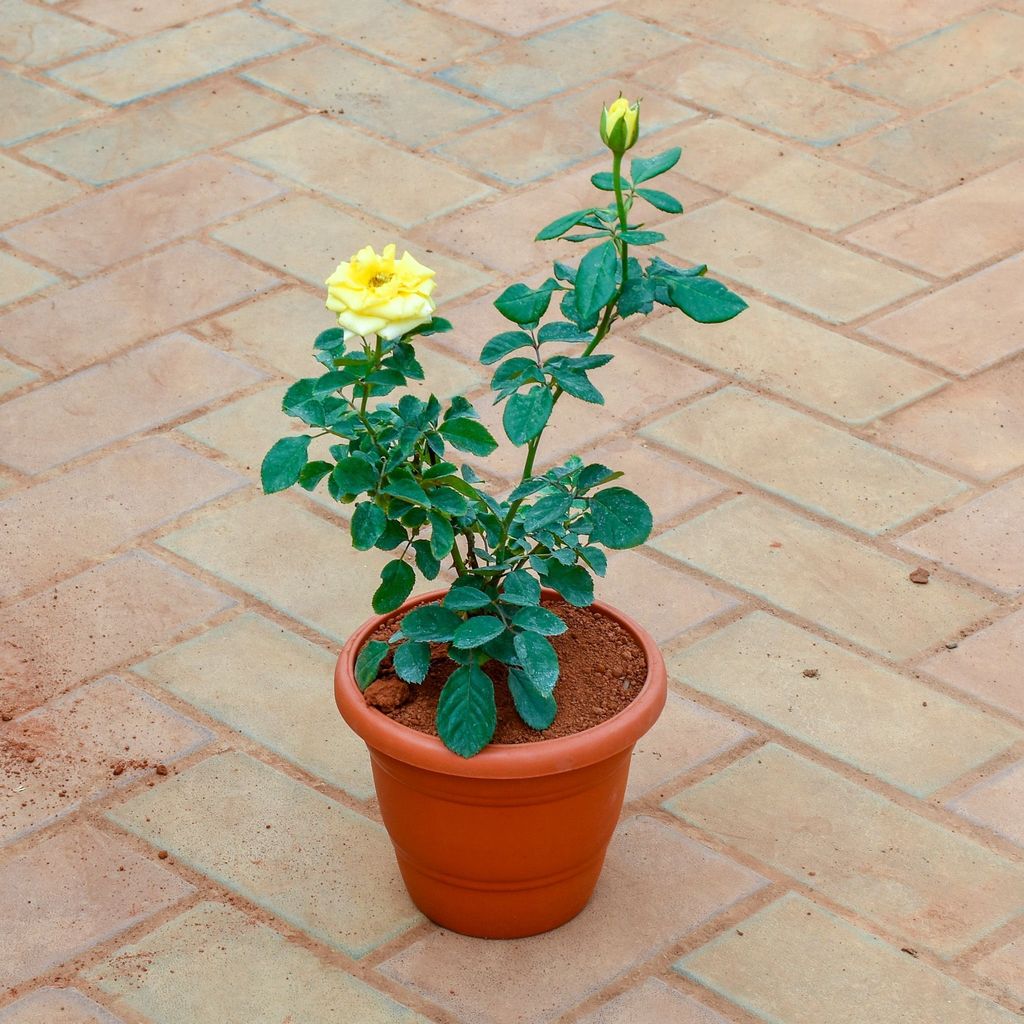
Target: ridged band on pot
510	842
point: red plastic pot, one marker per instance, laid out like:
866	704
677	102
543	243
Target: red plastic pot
511	842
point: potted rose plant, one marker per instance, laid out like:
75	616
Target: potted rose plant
499	802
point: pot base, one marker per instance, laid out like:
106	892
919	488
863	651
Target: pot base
497	912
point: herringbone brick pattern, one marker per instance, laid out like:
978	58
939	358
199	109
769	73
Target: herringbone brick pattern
826	824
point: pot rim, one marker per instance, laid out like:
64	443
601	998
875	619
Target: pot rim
502	760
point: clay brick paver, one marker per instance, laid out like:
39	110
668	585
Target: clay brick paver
56	1006
963	328
924	882
87	624
818	277
89	235
221	670
765	95
152	295
797	963
997	804
802	361
868	716
979	539
825	824
847	587
177	125
81	746
138	390
653	1002
29	35
1005	967
817	466
160	62
188	959
82	515
783	178
79	887
989	211
281	844
987	664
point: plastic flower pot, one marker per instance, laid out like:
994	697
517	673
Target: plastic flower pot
510	842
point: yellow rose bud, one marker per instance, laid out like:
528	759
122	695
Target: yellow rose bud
380	295
620	125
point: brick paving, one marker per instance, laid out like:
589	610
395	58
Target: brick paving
826	824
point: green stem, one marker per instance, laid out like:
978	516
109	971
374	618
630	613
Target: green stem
620	205
603	328
366	387
460	565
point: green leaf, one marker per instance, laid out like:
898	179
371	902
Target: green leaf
448	500
283	463
660	200
705	300
466	715
595	280
515	372
330	382
328	338
594	475
561	332
438	325
595	558
392	536
353	475
439	469
621	518
637	297
560	226
551	509
312	473
477	631
501	344
524	305
521	588
468	435
430	623
645	168
368	523
564	272
369	661
539	620
642	237
301	401
539	661
408	490
412	661
536	710
573	582
570	312
466	599
396	583
577	384
526	414
425	560
606	182
442	536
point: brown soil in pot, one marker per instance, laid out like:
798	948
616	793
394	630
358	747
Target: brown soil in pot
602	670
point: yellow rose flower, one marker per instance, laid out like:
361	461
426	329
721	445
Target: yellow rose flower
620	125
381	295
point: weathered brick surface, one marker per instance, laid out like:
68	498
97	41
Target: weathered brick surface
178	178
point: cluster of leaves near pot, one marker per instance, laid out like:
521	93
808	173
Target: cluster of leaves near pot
398	464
